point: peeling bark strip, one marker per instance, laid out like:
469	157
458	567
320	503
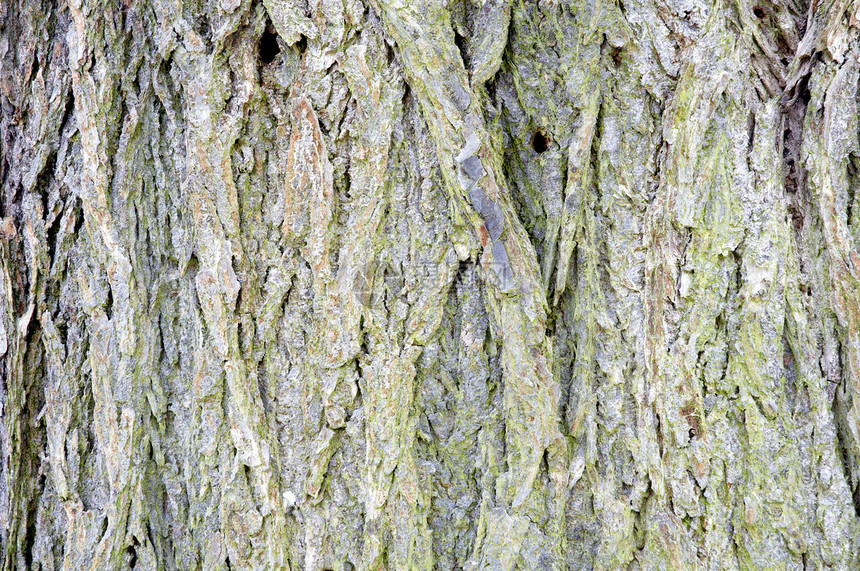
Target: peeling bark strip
414	285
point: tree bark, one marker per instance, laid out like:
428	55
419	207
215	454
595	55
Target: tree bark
401	284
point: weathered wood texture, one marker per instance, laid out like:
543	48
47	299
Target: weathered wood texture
413	284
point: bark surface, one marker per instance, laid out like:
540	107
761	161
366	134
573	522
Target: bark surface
400	284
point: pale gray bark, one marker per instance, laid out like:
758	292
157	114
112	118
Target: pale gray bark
396	284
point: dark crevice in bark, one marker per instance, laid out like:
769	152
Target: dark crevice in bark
108	306
79	218
855	495
462	46
131	553
269	46
33	507
43	183
301	46
738	271
750	132
851	198
69	111
794	113
203	28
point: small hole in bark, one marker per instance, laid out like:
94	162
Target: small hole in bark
269	48
759	12
540	142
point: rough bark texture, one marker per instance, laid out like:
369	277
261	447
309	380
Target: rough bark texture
404	284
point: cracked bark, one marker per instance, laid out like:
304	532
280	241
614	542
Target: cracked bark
377	284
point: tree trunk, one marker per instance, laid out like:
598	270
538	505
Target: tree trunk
413	284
